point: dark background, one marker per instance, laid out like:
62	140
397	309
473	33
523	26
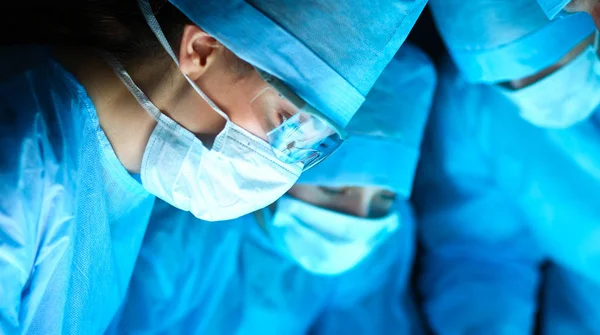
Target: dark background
426	36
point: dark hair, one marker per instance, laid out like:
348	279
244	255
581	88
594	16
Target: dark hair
114	26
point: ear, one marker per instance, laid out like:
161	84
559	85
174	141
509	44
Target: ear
198	51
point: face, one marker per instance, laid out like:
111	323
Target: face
252	99
592	7
364	202
233	85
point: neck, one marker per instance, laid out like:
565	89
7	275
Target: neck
126	124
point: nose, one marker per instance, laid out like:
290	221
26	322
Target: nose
368	204
362	208
365	202
353	201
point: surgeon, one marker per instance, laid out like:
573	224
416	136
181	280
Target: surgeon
215	107
334	255
509	179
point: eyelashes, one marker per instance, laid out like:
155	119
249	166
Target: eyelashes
340	191
389	196
284	115
332	191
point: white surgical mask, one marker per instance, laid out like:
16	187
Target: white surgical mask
564	98
323	241
239	175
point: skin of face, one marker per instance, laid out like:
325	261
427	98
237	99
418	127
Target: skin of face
233	88
371	202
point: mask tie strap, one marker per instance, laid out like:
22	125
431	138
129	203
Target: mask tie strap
139	95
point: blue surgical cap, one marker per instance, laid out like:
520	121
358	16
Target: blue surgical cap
552	7
385	134
493	41
330	52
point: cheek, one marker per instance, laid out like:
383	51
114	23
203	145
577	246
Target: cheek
237	100
250	123
241	113
232	95
194	114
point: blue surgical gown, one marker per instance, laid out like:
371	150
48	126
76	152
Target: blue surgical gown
198	277
496	197
71	217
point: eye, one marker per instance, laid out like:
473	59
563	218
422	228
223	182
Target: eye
387	195
285	111
333	191
284	116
